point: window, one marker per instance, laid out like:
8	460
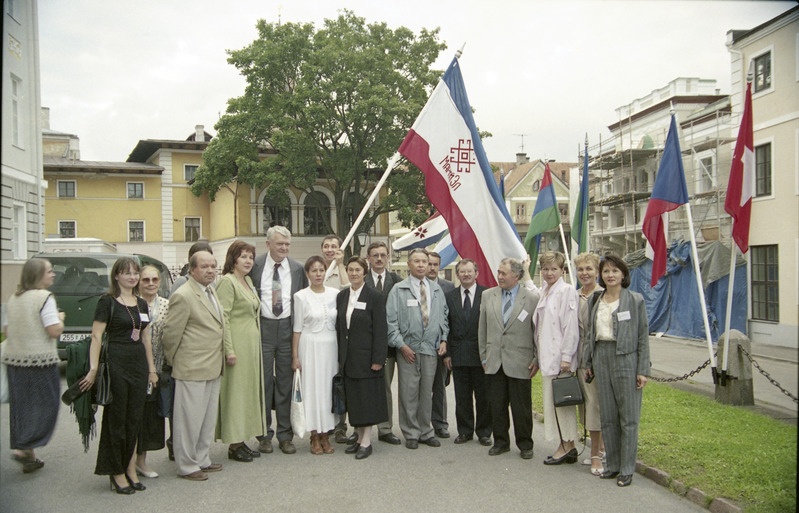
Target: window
765	283
317	213
763	170
16	110
536	185
67	229
135	231
192	229
763	72
135	190
277	212
66	188
355	204
706	174
189	170
19	232
521	210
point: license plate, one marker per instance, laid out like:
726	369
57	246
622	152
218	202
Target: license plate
73	337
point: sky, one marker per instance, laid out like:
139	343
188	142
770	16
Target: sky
116	72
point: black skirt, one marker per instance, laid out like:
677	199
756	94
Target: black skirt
34	394
366	401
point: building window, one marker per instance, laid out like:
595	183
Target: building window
19	233
706	174
765	283
66	188
277	212
135	231
135	190
521	210
317	213
763	170
16	110
192	229
67	229
189	170
536	185
763	72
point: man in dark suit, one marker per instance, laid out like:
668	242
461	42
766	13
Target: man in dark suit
463	356
439	415
383	280
508	355
277	278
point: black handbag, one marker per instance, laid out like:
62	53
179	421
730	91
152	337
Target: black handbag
339	397
566	391
102	383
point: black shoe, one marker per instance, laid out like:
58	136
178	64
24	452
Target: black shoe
169	449
462	439
32	465
138	486
485	440
431	442
265	446
608	474
442	432
390	438
254	454
128	490
352	449
352	438
340	436
363	453
624	480
497	450
569	457
412	443
527	454
240	453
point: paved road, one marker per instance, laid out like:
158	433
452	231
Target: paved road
393	479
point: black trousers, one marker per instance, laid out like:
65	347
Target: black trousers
505	391
471	392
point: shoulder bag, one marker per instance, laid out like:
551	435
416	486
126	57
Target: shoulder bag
102	383
339	395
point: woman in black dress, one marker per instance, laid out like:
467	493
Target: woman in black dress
130	358
362	346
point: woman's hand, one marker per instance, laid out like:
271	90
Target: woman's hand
230	360
88	380
295	364
153	378
565	366
640	382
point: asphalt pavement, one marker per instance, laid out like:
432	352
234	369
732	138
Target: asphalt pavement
393	479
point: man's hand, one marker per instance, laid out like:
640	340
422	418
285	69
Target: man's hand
448	363
533	370
408	354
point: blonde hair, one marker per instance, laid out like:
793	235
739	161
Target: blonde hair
552	257
588	258
32	273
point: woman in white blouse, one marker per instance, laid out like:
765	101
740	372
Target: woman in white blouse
314	351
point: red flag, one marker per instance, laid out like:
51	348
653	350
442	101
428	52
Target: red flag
739	190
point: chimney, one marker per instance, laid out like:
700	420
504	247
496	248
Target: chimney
45	118
199	133
522	158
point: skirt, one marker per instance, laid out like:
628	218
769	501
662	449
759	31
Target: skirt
567	415
34	400
366	401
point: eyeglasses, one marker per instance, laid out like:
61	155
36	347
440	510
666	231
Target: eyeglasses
150	280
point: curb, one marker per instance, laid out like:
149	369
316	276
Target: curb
695	495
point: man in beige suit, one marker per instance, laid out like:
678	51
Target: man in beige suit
193	346
507	351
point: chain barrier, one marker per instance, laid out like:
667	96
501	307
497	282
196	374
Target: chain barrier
684	376
768	376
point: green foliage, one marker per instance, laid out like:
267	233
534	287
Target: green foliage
333	104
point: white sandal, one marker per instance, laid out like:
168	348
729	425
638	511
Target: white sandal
596	471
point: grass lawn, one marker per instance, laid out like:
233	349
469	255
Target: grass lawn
725	451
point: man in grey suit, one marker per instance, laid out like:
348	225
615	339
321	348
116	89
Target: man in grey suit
384	280
507	352
193	345
417	329
439	415
277	278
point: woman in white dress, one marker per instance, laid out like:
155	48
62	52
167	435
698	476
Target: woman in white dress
314	350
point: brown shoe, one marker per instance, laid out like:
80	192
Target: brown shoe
287	447
213	467
324	440
197	475
316	447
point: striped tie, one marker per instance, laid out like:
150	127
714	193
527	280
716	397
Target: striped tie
423	303
506	307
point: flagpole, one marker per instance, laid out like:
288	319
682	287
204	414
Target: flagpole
731	288
566	252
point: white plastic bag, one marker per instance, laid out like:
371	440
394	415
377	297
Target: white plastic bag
297	408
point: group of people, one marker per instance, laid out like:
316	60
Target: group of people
221	354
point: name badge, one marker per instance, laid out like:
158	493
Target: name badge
360	305
144	317
522	315
412	302
624	316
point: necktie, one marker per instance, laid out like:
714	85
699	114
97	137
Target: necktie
212	300
277	292
423	303
380	282
506	307
467	303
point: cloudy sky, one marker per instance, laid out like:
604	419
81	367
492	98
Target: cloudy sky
116	72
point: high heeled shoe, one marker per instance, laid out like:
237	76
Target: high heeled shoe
128	490
569	457
138	486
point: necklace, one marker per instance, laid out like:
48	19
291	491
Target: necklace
136	331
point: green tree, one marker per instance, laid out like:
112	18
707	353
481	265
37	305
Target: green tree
331	104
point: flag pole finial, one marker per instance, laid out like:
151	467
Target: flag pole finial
671	108
459	52
750	74
586	139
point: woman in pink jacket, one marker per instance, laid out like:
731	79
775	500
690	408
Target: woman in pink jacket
557	338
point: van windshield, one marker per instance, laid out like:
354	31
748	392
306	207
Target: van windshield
81	275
